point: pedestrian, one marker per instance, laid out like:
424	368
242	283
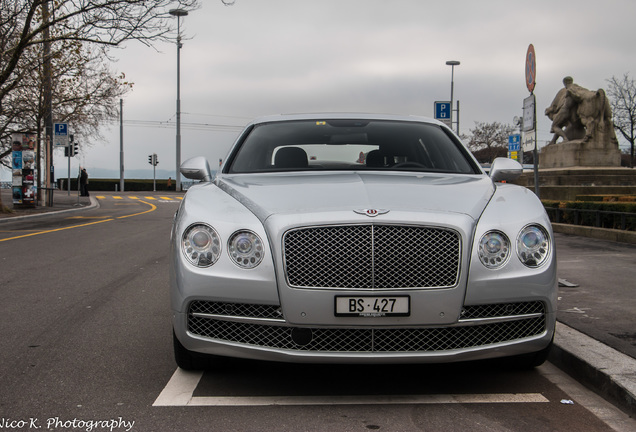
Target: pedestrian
169	183
84	182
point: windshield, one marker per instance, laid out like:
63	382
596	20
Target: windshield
309	145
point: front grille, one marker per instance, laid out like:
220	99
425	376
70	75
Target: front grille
372	257
385	340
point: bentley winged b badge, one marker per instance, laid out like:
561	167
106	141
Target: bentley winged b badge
371	212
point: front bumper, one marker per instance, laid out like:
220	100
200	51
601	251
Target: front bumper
261	332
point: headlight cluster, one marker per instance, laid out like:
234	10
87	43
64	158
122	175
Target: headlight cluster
533	247
246	249
201	245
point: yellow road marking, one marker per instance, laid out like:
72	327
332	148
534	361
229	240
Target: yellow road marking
100	197
133	197
117	197
166	198
88	217
152	208
54	230
150	198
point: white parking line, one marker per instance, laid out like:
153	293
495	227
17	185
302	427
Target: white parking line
178	391
180	388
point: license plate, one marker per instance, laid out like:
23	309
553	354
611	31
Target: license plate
373	306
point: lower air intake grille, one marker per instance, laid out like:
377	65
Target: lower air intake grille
372	340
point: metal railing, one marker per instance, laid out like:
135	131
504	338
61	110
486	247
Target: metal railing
595	218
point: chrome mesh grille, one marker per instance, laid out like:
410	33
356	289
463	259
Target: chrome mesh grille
372	257
369	340
380	339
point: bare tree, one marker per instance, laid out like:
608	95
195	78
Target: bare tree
489	140
28	29
85	93
26	23
622	95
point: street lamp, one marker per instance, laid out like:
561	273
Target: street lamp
452	64
178	13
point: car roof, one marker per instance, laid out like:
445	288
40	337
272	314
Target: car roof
338	116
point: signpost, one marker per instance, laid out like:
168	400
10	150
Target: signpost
530	112
60	135
443	112
531	69
514	146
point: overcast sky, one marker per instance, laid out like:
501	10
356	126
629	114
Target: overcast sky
262	57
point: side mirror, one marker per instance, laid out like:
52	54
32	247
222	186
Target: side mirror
196	168
504	169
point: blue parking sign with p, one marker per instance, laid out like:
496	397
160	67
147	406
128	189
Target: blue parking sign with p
60	134
442	110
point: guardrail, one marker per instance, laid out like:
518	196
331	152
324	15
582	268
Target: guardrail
595	218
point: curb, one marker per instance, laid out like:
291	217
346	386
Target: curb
604	370
94	204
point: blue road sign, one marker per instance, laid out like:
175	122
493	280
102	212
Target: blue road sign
442	110
60	134
514	142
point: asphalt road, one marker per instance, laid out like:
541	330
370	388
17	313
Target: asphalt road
603	302
86	345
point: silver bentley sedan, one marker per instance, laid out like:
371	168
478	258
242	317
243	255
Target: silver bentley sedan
359	239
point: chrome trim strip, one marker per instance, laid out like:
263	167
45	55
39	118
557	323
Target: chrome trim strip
236	318
478	321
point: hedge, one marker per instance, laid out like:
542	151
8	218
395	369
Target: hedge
137	185
615	215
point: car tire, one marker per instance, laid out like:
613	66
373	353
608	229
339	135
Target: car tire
188	360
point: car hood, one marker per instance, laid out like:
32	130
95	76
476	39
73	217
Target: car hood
310	193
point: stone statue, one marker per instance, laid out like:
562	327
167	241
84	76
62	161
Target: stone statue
583	120
578	113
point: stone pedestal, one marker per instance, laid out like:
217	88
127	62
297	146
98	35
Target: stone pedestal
578	153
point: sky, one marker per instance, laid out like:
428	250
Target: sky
261	57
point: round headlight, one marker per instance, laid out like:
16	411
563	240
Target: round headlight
494	249
533	245
245	249
201	245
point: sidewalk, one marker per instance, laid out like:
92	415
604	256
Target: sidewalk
597	313
62	201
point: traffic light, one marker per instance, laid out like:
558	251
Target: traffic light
72	149
152	159
156	161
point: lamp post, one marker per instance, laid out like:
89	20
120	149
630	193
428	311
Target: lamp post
452	64
178	13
